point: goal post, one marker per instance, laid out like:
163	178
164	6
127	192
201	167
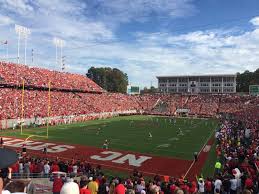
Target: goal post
49	109
22	112
22	120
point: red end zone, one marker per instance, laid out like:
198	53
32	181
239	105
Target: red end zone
114	159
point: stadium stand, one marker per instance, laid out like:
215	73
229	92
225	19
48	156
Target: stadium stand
237	151
14	75
72	94
62	103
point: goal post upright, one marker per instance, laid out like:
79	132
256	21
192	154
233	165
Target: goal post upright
49	107
22	112
48	112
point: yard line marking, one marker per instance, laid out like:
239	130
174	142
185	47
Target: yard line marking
187	172
166	145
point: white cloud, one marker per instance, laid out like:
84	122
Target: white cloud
94	42
140	10
46	19
201	52
63	18
16	6
5	21
255	21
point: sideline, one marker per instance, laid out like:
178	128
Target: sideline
205	144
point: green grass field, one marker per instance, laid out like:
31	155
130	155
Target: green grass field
131	133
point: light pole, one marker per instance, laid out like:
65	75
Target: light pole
32	57
59	43
22	32
63	62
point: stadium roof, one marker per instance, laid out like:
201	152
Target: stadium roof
205	75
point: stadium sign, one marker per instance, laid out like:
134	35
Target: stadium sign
183	110
119	158
254	90
133	90
36	145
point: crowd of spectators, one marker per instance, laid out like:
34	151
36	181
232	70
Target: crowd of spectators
236	168
35	103
237	148
14	74
204	105
82	96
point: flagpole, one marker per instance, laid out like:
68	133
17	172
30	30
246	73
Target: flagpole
61	53
18	48
56	54
7	50
32	57
2	43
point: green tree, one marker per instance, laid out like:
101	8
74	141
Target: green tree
111	79
150	90
247	78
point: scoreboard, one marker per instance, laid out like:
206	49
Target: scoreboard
133	90
254	90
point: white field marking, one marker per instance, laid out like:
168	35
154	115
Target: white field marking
111	166
174	139
206	148
166	145
199	153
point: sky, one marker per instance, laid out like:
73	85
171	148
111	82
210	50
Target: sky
143	38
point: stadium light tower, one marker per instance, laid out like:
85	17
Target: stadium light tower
59	43
22	32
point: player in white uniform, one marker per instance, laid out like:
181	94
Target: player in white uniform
105	144
98	131
180	132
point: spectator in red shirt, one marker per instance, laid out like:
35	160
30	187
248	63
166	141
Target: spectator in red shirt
15	169
208	186
193	187
173	188
57	184
249	183
120	188
54	167
83	187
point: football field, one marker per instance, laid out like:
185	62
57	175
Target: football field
176	138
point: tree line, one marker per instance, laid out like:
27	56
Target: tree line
115	80
110	79
247	78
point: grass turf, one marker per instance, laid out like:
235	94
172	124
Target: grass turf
131	133
208	168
